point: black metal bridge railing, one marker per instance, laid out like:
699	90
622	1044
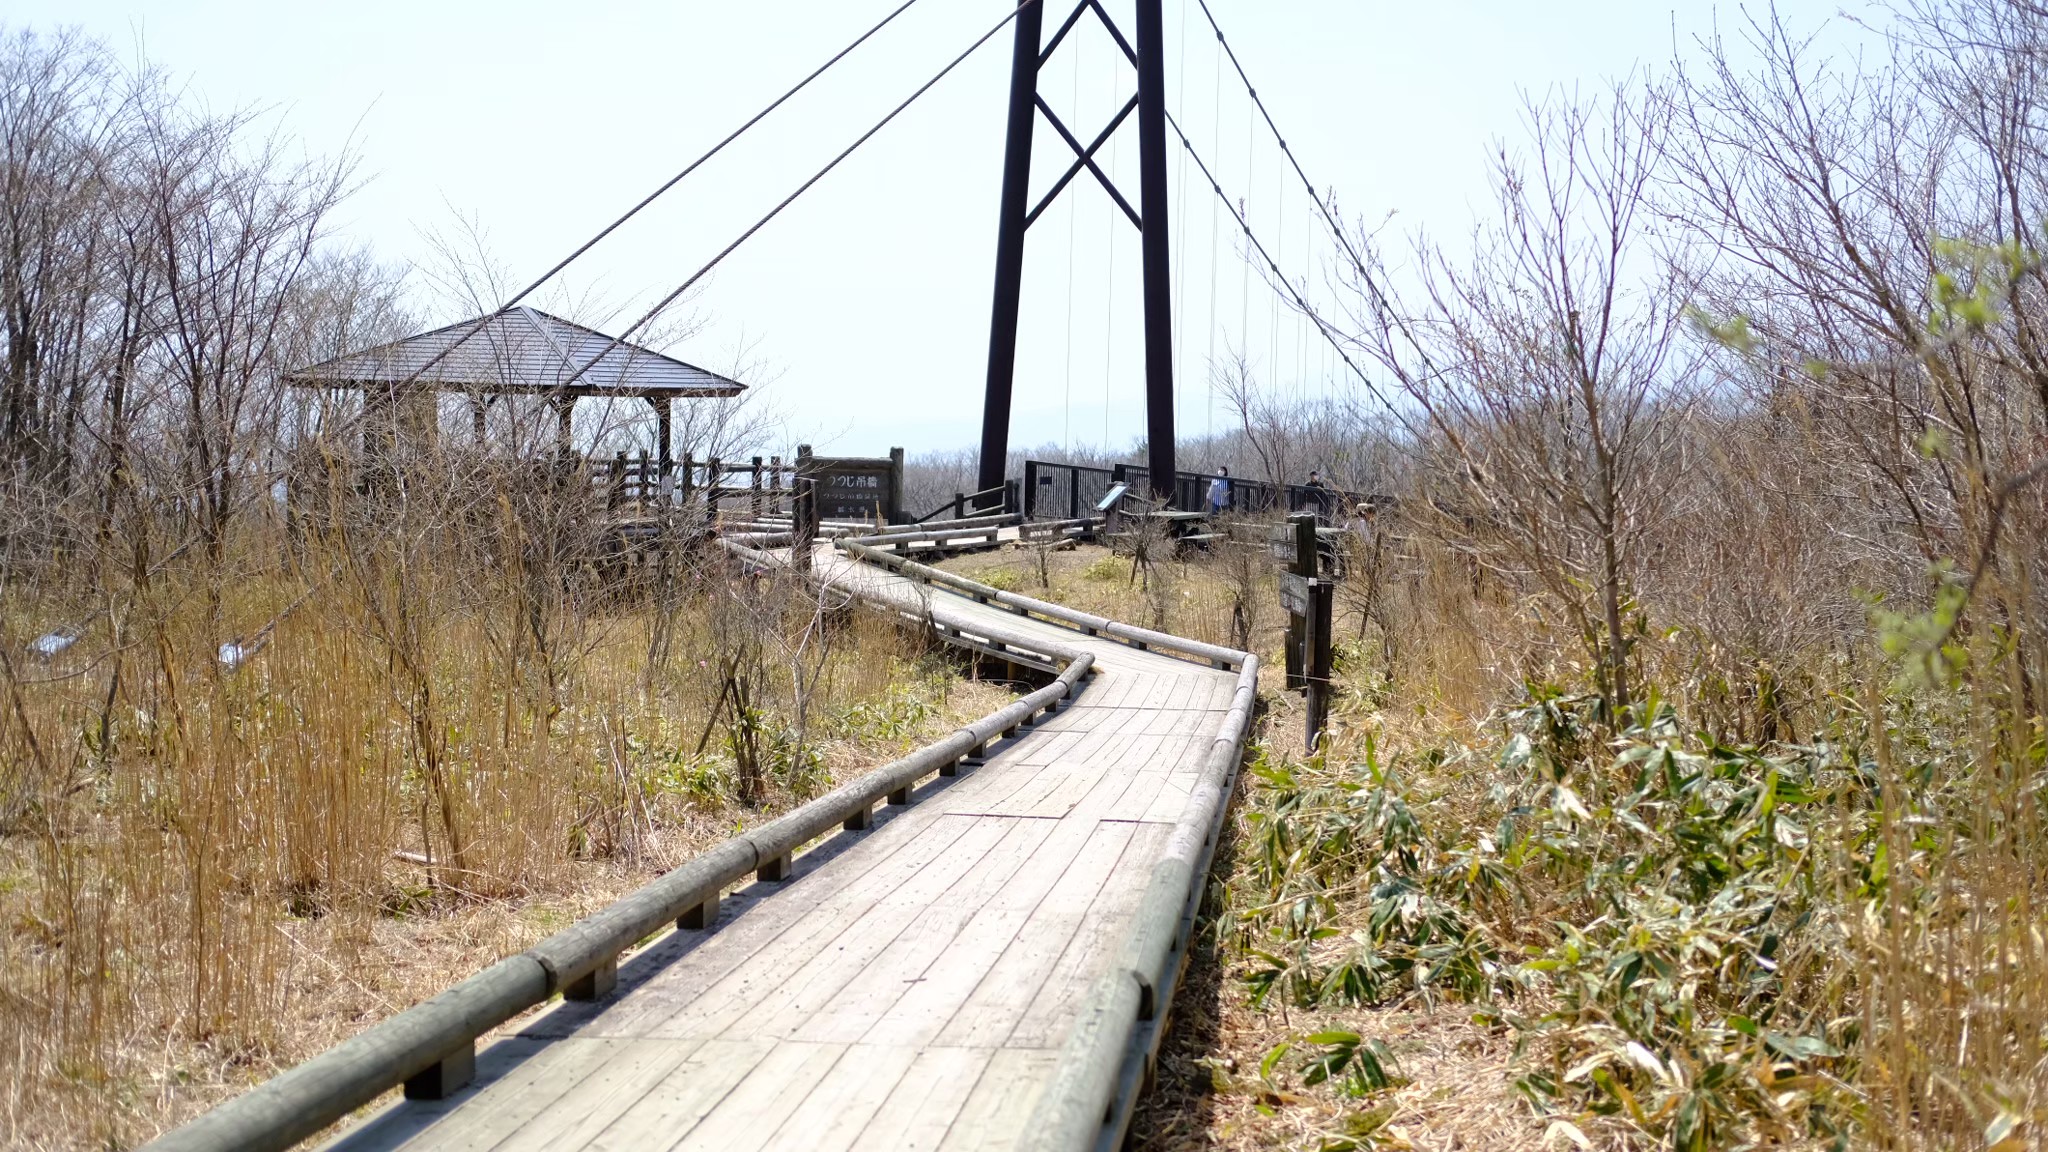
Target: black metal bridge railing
1068	491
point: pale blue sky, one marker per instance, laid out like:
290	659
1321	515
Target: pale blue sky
869	299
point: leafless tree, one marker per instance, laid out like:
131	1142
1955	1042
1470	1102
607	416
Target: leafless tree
1542	370
1870	252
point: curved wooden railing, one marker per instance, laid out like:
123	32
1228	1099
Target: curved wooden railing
1085	622
437	1038
1106	1060
1114	1047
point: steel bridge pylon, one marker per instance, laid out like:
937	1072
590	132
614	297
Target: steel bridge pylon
1017	215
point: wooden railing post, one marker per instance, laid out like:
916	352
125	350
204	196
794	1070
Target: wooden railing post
644	486
615	490
711	494
757	505
892	511
775	485
806	508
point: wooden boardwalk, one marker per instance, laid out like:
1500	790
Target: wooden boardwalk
909	987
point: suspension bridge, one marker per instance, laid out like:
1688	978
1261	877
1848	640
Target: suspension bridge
976	946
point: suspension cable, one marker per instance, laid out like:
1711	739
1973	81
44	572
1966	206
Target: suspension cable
651	197
1215	265
1180	255
662	305
1378	297
1292	292
699	162
1109	283
1067	427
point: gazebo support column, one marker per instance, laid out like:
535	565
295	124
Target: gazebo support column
565	408
376	422
477	405
664	428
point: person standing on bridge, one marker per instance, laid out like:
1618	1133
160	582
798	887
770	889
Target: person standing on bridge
1219	492
1318	494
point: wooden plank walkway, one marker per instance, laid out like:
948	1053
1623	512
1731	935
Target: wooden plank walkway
910	986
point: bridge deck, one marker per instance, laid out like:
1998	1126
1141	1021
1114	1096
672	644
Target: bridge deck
910	987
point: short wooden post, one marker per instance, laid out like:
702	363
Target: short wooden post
448	1075
863	818
900	797
643	490
775	486
701	916
775	870
595	985
758	506
959	504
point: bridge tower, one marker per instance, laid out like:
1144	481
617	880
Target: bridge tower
1017	215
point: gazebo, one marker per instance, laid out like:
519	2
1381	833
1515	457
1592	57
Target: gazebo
517	352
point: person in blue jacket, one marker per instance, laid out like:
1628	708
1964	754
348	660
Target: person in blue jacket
1219	492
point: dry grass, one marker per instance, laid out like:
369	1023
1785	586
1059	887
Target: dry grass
1209	1094
1455	1093
218	890
1900	1012
1189	597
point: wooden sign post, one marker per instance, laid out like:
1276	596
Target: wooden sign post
804	510
1317	641
1310	603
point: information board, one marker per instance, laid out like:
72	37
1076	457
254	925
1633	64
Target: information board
859	487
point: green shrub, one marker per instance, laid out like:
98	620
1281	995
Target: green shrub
1105	569
1000	579
1656	901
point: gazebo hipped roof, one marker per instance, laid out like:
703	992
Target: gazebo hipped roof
520	350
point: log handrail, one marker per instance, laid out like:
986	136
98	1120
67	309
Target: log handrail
961	501
1089	623
1114	1047
305	1099
1103	1065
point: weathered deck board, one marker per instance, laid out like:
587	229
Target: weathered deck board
911	986
926	1101
1008	987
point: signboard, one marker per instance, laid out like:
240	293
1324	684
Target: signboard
1295	593
859	487
1280	543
